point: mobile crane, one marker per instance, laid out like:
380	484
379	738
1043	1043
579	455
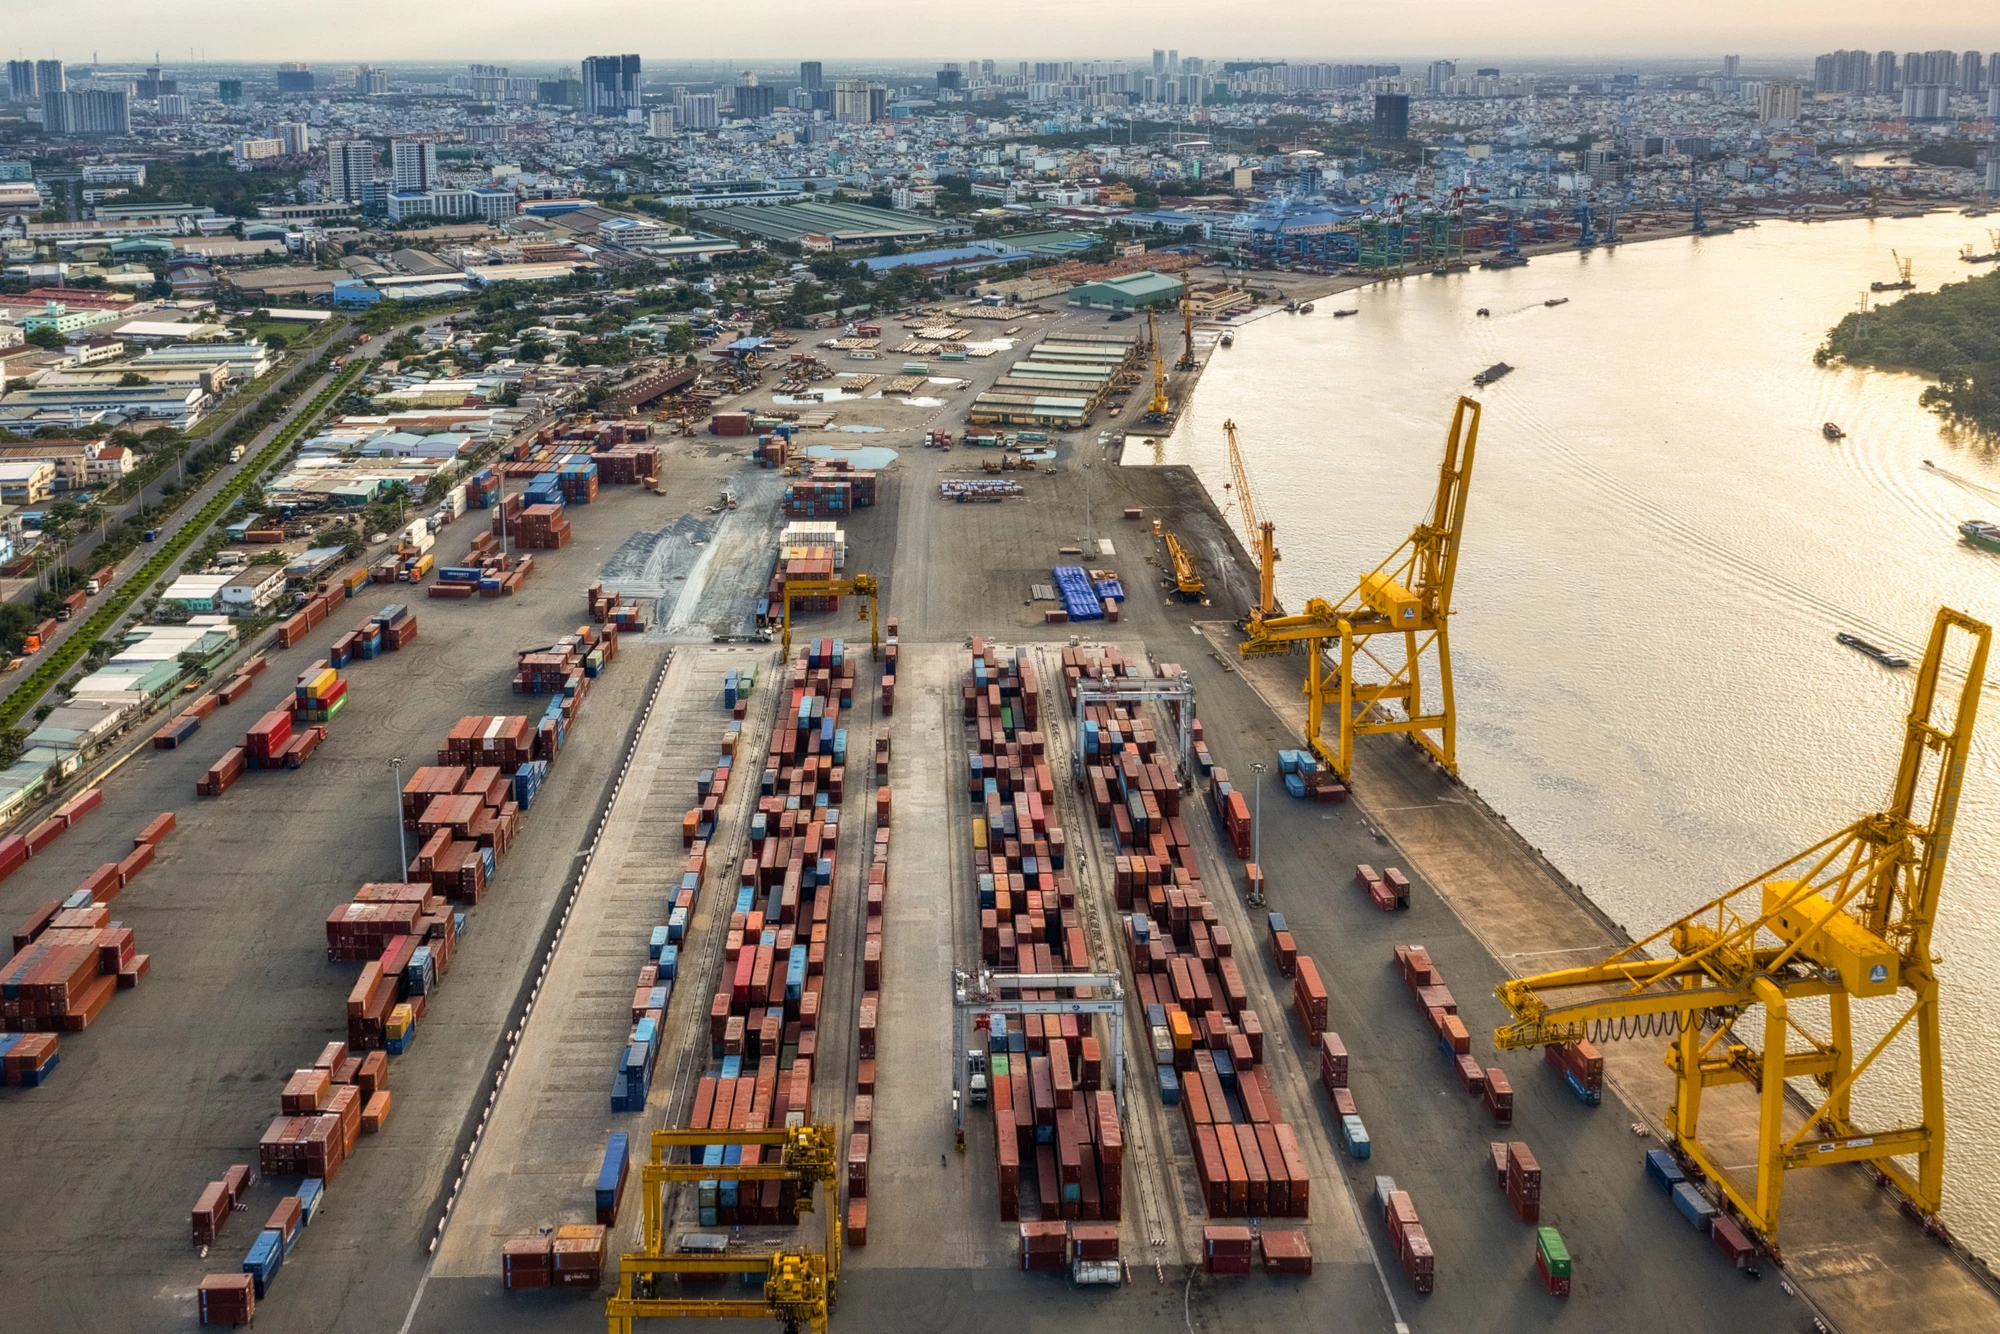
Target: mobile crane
1847	919
1157	407
1407	595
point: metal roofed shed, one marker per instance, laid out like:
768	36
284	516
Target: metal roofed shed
1132	291
843	224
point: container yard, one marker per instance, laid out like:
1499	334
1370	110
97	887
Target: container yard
601	931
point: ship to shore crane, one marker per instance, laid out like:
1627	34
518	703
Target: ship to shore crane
799	1287
1407	595
1847	919
1261	534
861	586
1157	407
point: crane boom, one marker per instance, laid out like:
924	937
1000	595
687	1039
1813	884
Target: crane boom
1407	595
1847	919
1261	535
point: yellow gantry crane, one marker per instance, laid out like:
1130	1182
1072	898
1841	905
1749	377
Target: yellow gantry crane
1187	362
1407	595
861	586
799	1287
1262	536
1848	919
1157	407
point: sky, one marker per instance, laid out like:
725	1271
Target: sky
783	30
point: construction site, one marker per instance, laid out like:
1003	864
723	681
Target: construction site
898	943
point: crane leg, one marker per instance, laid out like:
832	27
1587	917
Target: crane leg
1344	766
1448	734
1930	1163
1684	1121
1771	1119
1840	1038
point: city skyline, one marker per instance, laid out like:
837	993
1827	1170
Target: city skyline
1545	29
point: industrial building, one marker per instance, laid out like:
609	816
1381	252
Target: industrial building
826	225
1132	291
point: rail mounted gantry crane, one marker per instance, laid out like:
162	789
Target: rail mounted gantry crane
861	586
1262	536
1847	919
799	1287
1407	595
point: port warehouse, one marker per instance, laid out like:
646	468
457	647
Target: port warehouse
839	224
1058	382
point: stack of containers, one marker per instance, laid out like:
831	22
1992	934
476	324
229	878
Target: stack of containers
1232	809
69	959
398	626
321	692
15	849
1581	1067
481	487
1050	1109
765	1015
1407	1236
1426	987
1225	1249
406	937
1524	1183
1552	1261
1207	1041
891	654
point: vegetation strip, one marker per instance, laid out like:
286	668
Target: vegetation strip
1952	333
119	599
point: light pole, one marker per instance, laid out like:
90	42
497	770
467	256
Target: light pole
402	834
1257	817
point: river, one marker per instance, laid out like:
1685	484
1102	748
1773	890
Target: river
1659	549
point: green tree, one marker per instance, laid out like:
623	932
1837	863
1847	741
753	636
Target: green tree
45	337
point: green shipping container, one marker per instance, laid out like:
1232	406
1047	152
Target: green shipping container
1555	1255
999	1064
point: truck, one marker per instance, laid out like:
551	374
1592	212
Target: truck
975	1083
235	453
72	604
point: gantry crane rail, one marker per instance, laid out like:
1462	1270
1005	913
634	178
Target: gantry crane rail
1407	595
1261	534
1847	919
799	1287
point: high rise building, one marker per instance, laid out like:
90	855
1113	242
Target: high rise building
350	164
1159	63
811	76
850	101
950	77
49	77
229	92
878	102
174	106
1993	113
415	166
1927	101
1732	67
1885	82
660	123
371	82
698	111
1440	71
610	85
296	137
754	100
1778	102
1972	74
21	81
294	78
88	111
1392	117
155	85
1936	67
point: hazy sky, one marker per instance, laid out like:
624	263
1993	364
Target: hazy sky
661	30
